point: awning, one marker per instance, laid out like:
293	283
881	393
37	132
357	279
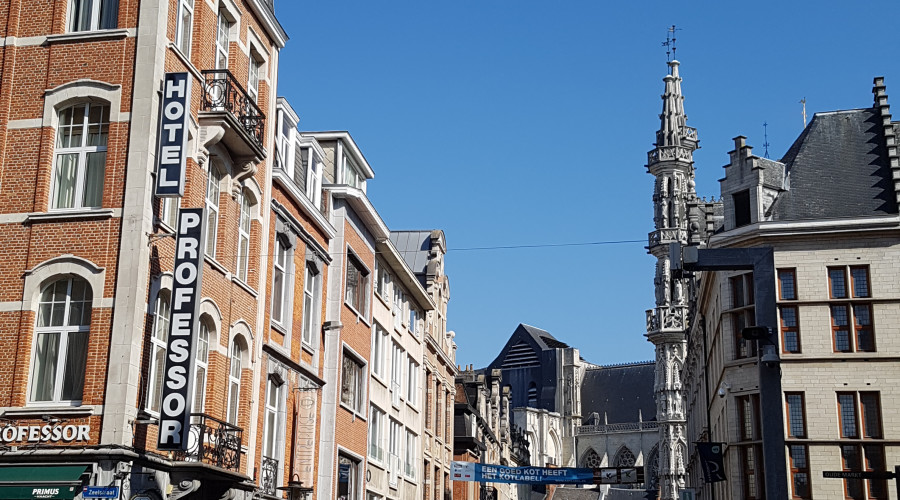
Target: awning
41	482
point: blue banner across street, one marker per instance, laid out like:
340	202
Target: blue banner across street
487	473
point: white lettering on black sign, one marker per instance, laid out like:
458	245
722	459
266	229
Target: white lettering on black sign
172	152
175	411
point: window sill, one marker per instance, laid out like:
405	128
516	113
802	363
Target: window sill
216	265
278	327
379	379
88	36
67	215
57	410
412	406
359	316
354	412
308	348
239	282
186	61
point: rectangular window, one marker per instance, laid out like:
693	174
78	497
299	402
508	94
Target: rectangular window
840	327
243	255
310	298
379	351
80	157
874	461
409	468
870	404
741	208
352	383
398	359
752	468
412	383
837	283
279	279
184	26
790	329
273	396
860	278
222	33
862	324
253	81
399	299
301	166
847	414
743	314
795	414
376	434
314	180
413	321
213	181
169	211
382	281
356	293
394	443
348	173
799	471
90	15
787	289
851	320
748	408
348	479
852	462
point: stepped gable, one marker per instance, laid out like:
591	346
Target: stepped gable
838	167
620	391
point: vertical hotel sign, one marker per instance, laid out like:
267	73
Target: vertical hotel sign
175	410
173	136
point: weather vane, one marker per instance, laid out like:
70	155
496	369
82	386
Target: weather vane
766	136
669	44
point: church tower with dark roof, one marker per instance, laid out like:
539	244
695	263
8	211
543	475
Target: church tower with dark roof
671	163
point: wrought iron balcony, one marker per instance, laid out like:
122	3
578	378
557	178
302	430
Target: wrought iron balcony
268	479
222	92
214	442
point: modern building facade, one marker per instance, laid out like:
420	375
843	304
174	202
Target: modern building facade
829	210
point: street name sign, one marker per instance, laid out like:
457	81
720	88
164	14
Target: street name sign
848	474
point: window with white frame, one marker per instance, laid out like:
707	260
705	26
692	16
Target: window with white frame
376	434
394	450
310	299
398	359
314	179
243	251
280	278
413	320
253	81
158	346
80	156
357	286
273	396
412	382
382	281
234	383
283	148
184	26
352	383
380	341
201	367
60	352
399	300
348	487
348	173
90	15
222	32
409	468
168	214
213	182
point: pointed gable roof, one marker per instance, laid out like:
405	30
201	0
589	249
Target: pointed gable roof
524	347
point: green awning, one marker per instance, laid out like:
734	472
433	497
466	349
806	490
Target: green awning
40	482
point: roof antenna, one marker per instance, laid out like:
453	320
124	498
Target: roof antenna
803	102
669	44
766	135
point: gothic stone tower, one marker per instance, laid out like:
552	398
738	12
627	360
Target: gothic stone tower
671	163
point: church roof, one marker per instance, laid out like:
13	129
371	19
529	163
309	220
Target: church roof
619	391
523	347
838	167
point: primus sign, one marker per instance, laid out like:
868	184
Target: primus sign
175	411
44	433
173	136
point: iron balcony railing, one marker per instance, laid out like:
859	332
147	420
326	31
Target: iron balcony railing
214	442
222	92
269	478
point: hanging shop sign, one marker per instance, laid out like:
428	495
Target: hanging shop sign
48	433
175	410
173	137
487	473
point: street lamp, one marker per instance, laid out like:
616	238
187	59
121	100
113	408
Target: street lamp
296	490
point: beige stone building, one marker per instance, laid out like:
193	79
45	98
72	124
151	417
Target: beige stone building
829	209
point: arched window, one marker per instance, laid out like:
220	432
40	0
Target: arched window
243	255
592	460
652	470
60	353
201	366
80	156
234	382
624	458
158	345
532	395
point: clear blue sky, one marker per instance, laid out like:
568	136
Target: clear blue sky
522	123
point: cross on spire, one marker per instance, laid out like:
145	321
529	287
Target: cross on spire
669	44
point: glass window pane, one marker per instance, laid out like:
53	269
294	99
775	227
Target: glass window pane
76	362
159	367
847	405
45	357
64	180
838	284
199	389
860	277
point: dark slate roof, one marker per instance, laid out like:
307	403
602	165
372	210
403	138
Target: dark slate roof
838	167
620	391
413	246
526	342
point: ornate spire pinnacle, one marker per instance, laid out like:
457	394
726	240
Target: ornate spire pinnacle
673	128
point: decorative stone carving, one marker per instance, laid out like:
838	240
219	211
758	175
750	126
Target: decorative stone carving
243	169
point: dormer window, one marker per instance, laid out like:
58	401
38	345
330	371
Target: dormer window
349	174
741	208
